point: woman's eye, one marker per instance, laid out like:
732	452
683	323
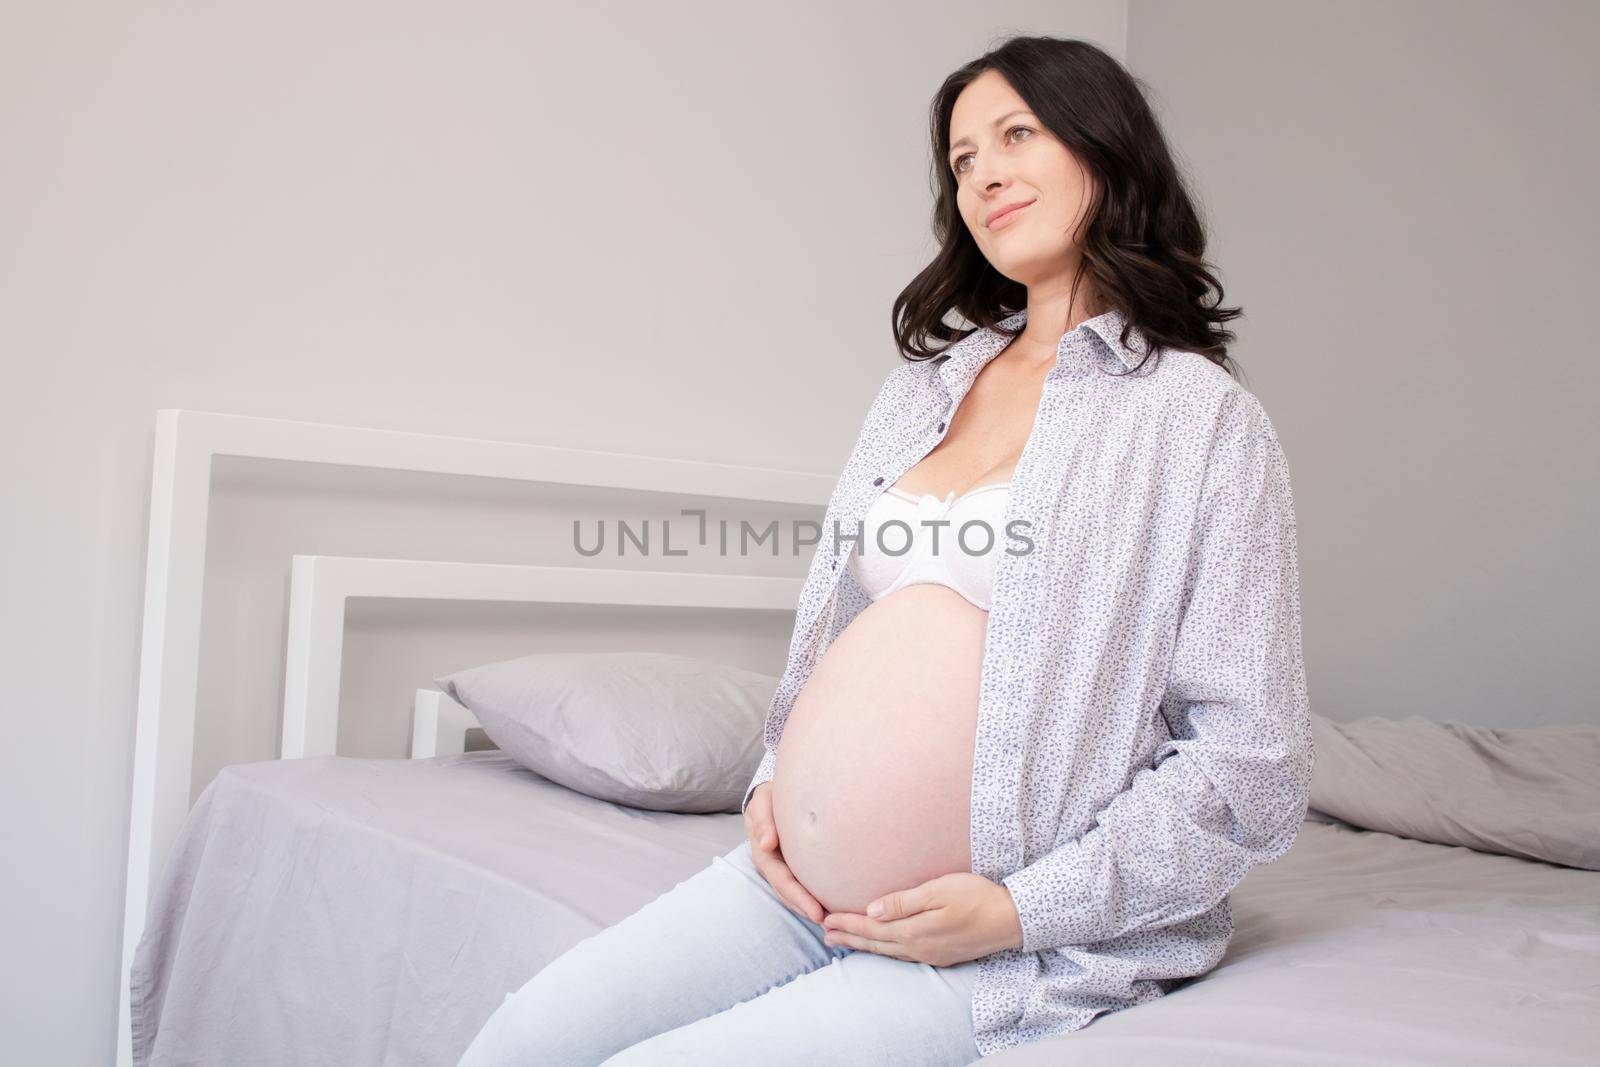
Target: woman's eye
956	165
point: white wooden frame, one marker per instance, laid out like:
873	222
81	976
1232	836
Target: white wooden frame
439	725
321	585
186	442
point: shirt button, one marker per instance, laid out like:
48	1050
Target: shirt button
877	481
835	564
941	427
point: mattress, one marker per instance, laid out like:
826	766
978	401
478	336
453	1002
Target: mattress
338	910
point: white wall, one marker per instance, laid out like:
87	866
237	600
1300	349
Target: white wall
670	229
1402	198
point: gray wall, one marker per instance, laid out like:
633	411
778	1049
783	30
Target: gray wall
1402	200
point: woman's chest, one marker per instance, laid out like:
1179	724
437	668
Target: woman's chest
1094	475
1102	498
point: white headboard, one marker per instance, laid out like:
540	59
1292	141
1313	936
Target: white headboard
320	585
439	725
186	443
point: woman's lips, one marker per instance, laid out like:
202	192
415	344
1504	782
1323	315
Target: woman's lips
1002	220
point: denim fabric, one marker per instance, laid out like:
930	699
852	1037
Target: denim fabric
717	970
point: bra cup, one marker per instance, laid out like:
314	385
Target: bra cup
969	573
972	568
879	572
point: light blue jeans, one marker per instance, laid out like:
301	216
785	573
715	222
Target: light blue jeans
717	970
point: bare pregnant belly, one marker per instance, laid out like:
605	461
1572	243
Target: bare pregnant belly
872	788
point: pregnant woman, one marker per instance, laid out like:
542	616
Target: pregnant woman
1044	705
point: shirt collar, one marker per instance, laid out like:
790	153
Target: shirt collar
969	355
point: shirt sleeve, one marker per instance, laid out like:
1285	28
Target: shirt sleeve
763	774
1230	788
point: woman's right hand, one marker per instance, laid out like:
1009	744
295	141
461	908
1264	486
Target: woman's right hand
763	833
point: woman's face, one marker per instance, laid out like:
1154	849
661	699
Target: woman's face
1000	155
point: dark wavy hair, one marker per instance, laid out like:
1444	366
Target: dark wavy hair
1143	243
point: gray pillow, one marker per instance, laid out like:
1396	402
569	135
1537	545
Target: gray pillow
648	729
1532	793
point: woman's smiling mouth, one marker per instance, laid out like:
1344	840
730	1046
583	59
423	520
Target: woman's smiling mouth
1002	218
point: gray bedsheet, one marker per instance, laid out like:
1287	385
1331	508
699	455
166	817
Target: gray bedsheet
366	911
347	911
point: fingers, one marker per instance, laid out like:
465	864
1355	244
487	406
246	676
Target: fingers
762	835
769	861
802	902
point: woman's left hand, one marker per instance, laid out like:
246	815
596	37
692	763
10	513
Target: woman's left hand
949	920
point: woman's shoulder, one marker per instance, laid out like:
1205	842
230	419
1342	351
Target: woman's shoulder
1196	400
908	377
1200	378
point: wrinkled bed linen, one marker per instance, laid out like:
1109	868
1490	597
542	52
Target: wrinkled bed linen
365	911
1358	947
1533	793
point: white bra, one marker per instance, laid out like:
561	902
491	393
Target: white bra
969	573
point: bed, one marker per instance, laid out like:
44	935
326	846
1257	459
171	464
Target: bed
321	908
338	910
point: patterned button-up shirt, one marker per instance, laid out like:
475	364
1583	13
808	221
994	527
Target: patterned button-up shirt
1143	734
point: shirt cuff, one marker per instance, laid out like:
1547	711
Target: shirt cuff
1037	898
763	774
